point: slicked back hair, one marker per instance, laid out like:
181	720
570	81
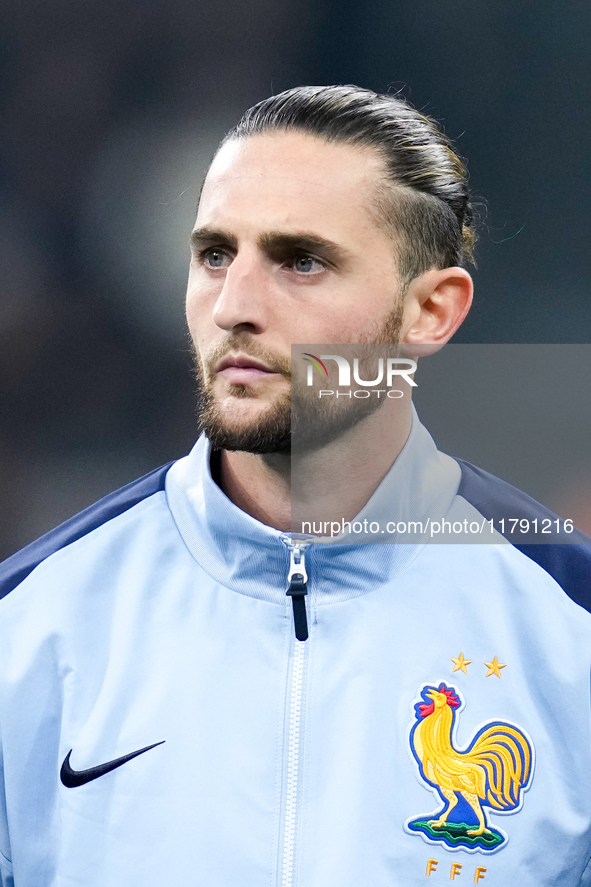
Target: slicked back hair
427	204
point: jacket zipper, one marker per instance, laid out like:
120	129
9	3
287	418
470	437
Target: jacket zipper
297	589
293	758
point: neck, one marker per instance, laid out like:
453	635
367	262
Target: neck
332	483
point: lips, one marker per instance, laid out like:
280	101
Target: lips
242	370
241	362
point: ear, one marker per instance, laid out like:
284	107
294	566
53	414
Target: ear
435	305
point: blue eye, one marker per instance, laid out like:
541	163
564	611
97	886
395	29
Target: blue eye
214	258
307	264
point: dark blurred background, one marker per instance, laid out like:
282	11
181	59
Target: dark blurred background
111	112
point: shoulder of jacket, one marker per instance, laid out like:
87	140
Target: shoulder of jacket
16	568
566	556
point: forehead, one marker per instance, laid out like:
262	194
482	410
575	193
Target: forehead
291	181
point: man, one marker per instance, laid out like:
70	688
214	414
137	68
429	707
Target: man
405	712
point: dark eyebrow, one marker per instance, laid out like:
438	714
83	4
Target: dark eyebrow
275	242
203	237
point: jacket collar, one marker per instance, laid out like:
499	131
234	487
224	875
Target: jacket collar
251	558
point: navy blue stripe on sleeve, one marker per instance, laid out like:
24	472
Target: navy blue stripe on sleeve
18	567
565	556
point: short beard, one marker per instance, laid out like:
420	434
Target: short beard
271	433
308	421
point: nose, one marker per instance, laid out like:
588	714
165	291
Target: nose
243	302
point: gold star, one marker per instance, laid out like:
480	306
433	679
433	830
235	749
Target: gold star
494	667
460	663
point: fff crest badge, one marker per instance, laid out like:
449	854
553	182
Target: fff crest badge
488	775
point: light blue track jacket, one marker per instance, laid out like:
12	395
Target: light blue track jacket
160	723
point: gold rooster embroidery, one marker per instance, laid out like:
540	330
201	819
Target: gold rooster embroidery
492	772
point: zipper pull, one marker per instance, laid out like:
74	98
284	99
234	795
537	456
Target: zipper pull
297	589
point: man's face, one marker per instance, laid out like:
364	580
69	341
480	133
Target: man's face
285	250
